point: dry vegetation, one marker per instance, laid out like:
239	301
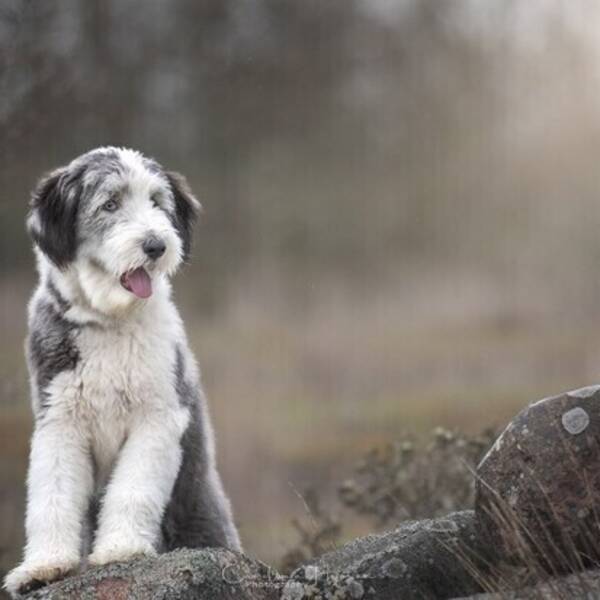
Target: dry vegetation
566	562
405	480
435	475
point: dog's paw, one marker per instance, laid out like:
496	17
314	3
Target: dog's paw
119	551
31	576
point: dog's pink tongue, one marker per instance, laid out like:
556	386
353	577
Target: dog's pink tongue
139	282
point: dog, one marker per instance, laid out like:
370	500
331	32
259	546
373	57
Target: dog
122	459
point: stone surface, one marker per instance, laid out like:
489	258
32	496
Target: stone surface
538	488
581	586
208	574
419	559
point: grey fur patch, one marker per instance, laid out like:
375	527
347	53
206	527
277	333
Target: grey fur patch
197	515
186	210
51	347
90	524
98	164
187	394
56	295
152	166
56	202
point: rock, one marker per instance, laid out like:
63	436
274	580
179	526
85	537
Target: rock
420	559
580	586
538	488
207	574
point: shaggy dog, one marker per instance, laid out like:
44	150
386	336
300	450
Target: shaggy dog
122	456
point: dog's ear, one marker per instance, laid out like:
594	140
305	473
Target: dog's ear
52	219
187	209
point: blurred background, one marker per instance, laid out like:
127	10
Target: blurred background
402	215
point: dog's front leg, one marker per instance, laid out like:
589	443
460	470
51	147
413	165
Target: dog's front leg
59	487
140	488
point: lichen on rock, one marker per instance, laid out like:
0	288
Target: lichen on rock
538	491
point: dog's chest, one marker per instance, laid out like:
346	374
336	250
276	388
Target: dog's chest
124	370
121	376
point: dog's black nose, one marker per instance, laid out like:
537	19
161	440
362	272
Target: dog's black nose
154	247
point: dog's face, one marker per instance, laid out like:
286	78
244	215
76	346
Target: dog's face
116	221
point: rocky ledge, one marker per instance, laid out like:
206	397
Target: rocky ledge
417	560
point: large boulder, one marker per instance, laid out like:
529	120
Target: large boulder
432	558
538	488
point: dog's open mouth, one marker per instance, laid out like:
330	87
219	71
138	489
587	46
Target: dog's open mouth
137	282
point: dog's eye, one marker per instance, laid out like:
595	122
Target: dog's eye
110	205
155	201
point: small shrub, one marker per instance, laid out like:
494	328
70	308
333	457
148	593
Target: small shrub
319	534
408	479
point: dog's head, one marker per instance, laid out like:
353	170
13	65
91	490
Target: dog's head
114	220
